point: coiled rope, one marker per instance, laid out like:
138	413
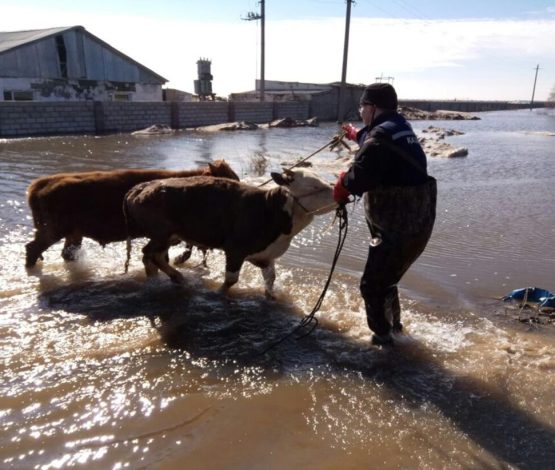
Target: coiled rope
310	321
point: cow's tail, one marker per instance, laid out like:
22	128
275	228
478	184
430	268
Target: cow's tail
33	200
128	254
128	237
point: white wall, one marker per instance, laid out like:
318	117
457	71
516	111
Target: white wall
50	90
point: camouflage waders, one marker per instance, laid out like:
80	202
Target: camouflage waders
403	218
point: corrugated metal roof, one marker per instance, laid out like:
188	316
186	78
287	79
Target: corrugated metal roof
11	40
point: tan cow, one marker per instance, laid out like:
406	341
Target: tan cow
89	204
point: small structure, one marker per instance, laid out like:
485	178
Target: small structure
323	97
71	64
203	85
172	94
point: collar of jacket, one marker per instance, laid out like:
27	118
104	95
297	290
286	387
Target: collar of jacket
385	116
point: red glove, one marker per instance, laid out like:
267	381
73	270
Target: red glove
340	193
350	131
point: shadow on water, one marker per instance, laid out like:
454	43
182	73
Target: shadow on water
207	324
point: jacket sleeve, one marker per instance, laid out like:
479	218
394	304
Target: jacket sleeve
368	168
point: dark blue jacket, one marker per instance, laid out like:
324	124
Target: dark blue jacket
389	155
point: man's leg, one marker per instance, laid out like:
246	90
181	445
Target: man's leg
379	290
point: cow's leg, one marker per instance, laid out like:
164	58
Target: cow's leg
268	269
156	253
204	256
233	265
162	261
151	269
180	259
35	248
269	275
71	245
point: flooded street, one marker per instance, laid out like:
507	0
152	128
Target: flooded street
108	370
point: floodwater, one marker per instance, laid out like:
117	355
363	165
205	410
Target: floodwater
106	370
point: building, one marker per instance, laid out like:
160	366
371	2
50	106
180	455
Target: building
275	90
71	64
323	97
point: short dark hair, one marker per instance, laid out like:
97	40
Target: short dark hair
383	95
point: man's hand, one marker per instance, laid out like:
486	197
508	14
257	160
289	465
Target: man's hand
350	131
340	193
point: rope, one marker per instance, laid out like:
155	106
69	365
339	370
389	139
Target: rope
310	320
333	142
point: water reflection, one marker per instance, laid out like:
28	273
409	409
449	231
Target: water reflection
227	334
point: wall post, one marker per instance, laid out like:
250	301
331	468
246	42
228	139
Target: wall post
99	119
174	115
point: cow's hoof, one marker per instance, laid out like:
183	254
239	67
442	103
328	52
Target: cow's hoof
31	260
269	295
224	290
177	278
182	258
70	253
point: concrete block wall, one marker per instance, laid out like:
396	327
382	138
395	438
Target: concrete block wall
46	118
130	116
324	106
19	119
293	109
203	113
256	112
465	106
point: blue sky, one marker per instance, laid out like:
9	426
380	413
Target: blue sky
433	49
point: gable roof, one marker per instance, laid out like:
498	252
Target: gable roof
11	40
14	39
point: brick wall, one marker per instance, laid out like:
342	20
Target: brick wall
87	117
293	109
43	118
202	113
19	119
253	111
130	116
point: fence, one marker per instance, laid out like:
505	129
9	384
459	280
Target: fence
18	119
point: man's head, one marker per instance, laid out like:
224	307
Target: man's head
382	95
375	99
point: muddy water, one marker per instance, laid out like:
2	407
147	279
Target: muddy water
106	370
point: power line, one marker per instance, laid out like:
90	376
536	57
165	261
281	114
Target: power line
410	9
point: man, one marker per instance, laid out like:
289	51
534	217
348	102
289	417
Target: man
399	202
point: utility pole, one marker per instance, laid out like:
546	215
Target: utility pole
534	88
262	17
341	105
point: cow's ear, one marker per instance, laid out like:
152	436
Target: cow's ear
283	179
213	168
279	179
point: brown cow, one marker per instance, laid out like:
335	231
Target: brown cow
89	204
248	223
